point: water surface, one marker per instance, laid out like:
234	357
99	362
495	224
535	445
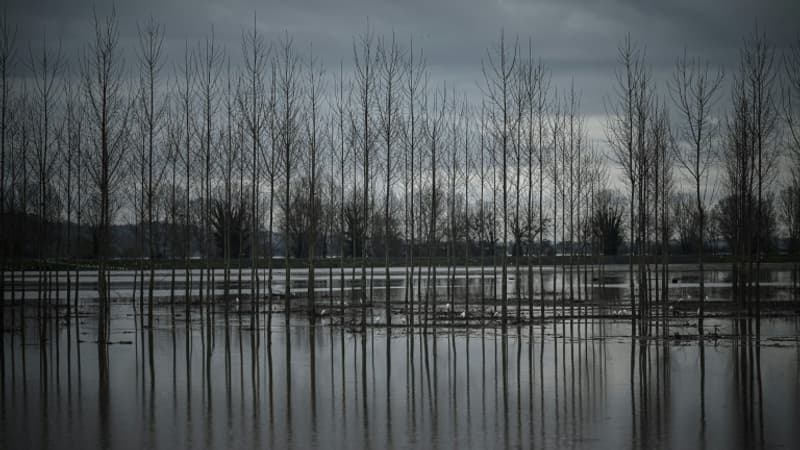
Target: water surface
224	384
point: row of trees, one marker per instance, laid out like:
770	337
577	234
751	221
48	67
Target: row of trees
230	162
746	143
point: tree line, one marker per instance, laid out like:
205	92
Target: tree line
282	156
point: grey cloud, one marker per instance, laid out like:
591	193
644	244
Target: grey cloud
576	39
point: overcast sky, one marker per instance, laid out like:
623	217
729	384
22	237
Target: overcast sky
577	40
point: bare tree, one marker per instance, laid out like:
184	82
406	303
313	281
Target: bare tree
389	105
288	106
230	147
254	110
19	117
134	174
366	59
71	164
7	54
498	73
174	155
694	90
452	171
535	93
468	164
645	108
186	105
46	71
758	77
152	110
625	134
208	69
413	88
519	105
598	184
790	211
435	130
107	115
539	99
272	172
739	162
482	173
557	127
340	112
572	176
791	104
314	136
661	181
791	194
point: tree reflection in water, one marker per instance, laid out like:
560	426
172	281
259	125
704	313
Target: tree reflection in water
576	382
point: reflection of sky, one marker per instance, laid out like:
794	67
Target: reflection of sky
776	282
558	392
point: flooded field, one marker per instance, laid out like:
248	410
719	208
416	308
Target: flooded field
226	377
573	383
605	283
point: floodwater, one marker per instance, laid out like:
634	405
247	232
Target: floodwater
219	382
608	283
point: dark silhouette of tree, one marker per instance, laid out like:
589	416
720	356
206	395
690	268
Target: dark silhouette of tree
483	227
366	60
151	112
608	222
390	59
255	111
208	70
625	132
7	51
315	86
46	73
732	225
790	196
338	138
525	232
790	213
229	224
750	157
300	221
498	74
354	219
431	207
108	110
415	78
685	219
287	107
694	90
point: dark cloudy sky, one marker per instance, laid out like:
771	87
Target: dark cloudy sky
576	39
